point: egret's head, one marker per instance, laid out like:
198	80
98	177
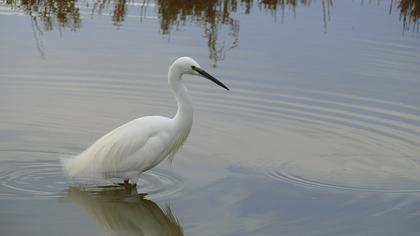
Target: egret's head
187	65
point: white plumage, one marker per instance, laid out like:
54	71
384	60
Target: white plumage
141	144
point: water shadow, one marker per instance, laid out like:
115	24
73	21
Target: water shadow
123	211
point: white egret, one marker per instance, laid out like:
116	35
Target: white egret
141	144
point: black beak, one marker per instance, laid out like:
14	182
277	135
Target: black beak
208	76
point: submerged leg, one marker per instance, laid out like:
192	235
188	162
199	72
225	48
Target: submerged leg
127	184
134	181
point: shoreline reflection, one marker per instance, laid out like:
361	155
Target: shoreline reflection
409	13
218	19
123	211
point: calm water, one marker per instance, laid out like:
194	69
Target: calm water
320	134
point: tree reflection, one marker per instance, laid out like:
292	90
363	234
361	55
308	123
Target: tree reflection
120	9
52	13
217	18
209	15
409	13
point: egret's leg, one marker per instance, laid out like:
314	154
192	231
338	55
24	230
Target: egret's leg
134	181
125	184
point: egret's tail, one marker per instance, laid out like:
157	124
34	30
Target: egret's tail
75	166
67	162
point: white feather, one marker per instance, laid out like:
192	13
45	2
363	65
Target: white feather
134	147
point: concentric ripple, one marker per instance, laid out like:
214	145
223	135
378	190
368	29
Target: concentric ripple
44	177
352	173
159	183
325	140
20	180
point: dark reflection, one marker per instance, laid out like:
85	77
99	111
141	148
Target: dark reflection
118	14
217	18
209	15
51	13
212	16
120	9
125	212
409	13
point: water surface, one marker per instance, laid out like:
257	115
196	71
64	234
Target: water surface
319	135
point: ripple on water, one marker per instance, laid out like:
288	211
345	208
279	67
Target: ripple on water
309	137
366	173
330	141
23	178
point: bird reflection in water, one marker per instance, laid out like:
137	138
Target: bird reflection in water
123	211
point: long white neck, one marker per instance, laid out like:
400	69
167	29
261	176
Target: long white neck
184	114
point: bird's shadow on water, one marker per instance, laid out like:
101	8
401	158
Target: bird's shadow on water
123	211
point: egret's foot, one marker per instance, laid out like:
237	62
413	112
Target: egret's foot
126	184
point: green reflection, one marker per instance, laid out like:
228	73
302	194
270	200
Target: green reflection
410	13
123	211
52	13
217	18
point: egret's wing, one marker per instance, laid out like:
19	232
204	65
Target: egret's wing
117	145
113	152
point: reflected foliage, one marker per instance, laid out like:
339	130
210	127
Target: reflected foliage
52	13
210	15
217	18
123	211
410	13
